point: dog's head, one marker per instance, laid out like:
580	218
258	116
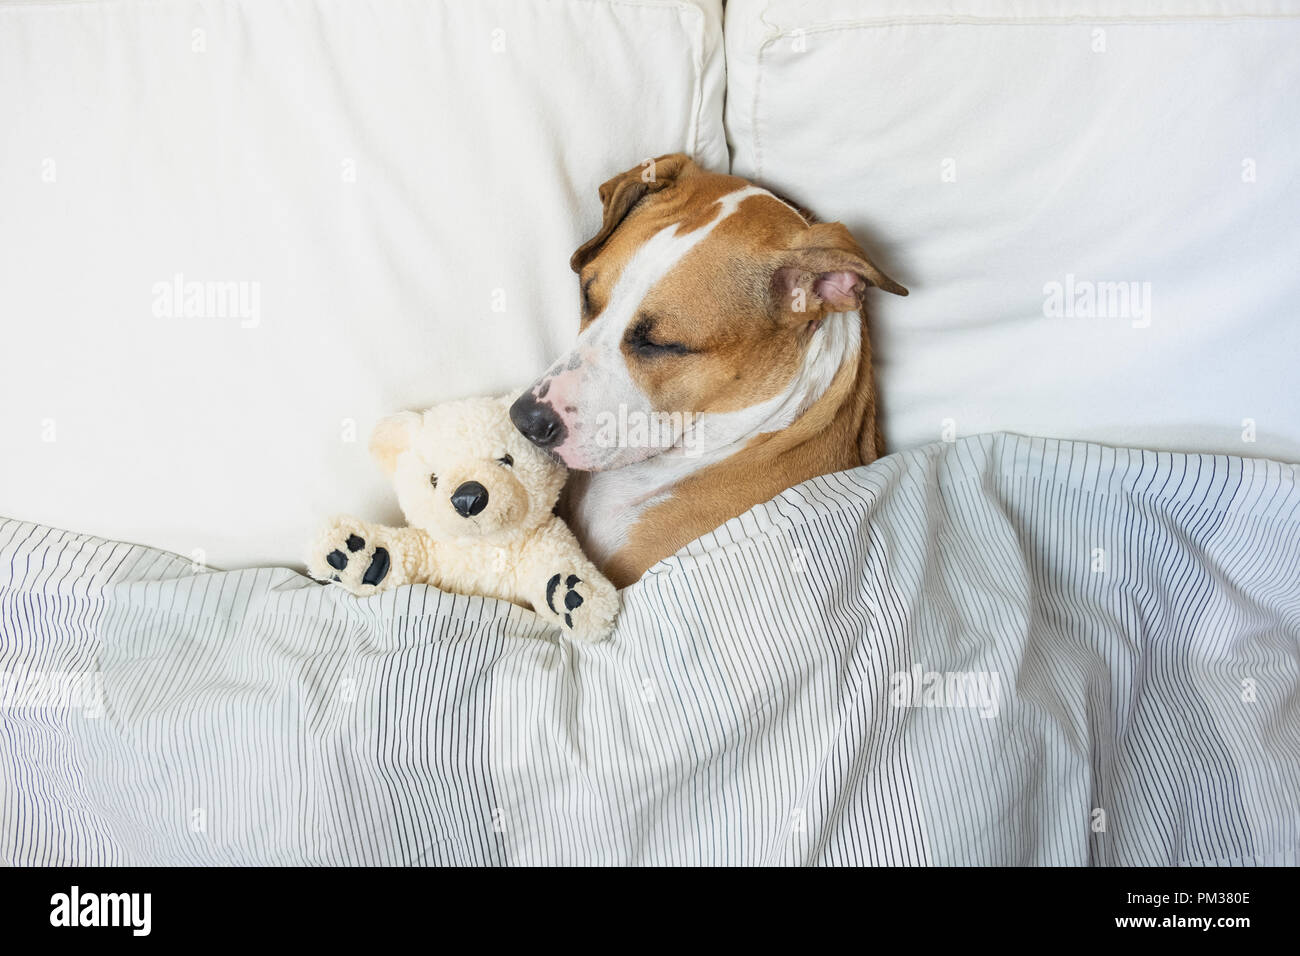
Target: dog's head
705	302
462	470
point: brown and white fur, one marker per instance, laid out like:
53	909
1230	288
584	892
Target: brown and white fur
720	312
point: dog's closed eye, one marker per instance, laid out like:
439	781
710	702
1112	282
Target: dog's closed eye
640	339
587	307
506	460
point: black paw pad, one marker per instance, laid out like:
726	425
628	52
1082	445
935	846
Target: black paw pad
355	542
572	599
378	569
337	560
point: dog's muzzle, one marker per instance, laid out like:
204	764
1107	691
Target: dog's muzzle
538	421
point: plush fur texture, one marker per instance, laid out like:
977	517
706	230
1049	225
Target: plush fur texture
479	499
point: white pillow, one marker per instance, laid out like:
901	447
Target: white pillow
1007	160
376	201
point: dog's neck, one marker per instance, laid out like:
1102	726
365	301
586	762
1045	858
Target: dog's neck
731	462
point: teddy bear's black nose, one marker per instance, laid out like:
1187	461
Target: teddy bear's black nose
469	499
538	421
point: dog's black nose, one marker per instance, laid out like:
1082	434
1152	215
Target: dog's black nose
469	499
538	421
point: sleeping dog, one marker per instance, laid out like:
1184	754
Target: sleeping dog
722	358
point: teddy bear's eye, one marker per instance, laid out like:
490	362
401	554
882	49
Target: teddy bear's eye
506	460
433	480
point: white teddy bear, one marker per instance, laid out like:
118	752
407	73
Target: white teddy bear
479	498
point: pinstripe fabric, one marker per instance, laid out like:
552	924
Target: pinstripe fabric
1140	613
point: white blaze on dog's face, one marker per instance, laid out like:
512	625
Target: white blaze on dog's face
462	470
703	301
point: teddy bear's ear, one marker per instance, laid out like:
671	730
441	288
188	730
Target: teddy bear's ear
391	437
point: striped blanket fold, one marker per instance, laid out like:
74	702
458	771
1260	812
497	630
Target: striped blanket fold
1000	650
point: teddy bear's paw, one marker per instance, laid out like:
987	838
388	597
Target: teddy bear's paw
356	556
586	608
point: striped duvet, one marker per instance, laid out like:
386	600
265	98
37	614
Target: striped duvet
998	650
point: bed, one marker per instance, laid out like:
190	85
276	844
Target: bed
1058	625
993	651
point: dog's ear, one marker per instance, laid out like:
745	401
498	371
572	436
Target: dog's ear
391	437
624	191
823	271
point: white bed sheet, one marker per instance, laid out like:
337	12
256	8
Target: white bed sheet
389	191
